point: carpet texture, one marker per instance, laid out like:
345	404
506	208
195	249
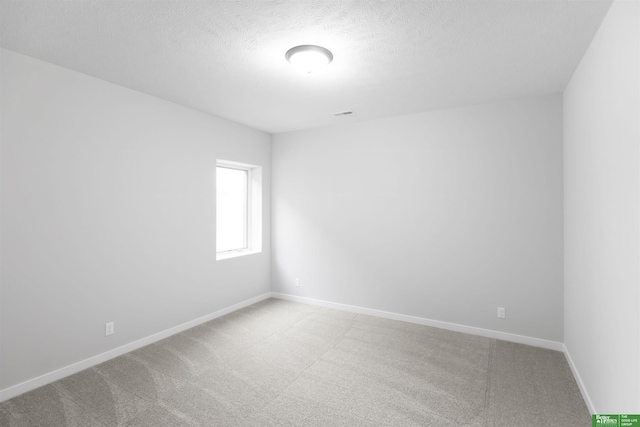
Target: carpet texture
281	363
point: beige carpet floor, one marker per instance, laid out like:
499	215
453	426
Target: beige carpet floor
287	364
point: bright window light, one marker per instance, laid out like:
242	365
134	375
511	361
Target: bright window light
238	209
231	209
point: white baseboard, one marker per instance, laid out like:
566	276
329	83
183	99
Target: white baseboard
581	386
536	342
520	339
50	377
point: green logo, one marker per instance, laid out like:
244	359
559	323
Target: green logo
615	420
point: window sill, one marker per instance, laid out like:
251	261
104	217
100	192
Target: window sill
235	254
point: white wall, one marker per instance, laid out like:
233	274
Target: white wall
602	214
108	214
442	215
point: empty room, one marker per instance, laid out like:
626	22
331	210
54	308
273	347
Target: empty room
319	213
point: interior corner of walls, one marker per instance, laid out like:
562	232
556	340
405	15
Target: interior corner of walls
581	386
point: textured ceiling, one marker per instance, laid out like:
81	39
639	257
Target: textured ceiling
390	57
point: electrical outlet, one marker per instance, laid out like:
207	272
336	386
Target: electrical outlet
502	313
109	329
297	283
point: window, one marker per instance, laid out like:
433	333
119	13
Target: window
232	216
238	209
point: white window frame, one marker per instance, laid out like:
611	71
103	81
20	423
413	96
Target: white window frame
253	212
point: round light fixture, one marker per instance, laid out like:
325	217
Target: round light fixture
309	58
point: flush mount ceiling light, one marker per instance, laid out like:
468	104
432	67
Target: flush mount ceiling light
309	58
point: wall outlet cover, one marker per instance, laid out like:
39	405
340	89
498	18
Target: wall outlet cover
109	329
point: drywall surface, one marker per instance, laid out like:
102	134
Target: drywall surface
602	214
442	215
108	214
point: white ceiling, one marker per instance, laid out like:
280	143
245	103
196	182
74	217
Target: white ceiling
390	57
